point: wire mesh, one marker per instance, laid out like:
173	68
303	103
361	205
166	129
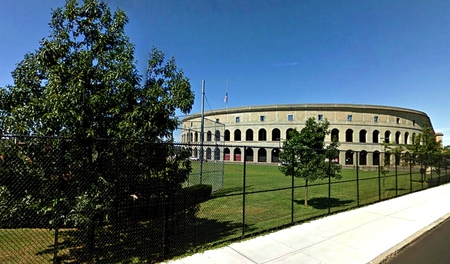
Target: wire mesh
111	201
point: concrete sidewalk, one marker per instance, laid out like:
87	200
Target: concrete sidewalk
364	235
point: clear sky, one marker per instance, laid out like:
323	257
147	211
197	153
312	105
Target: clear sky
383	52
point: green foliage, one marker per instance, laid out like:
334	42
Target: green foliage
81	84
305	156
199	192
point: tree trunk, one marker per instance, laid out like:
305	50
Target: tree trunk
306	193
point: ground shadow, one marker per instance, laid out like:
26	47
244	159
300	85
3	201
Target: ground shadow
398	189
145	242
324	202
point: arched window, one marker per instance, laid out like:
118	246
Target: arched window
376	158
237	135
349	136
335	134
288	132
262	135
375	136
249	135
397	137
208	153
249	154
349	157
387	136
362	136
276	134
237	154
275	155
208	136
217	135
406	138
226	154
387	158
262	155
363	157
196	137
227	135
216	153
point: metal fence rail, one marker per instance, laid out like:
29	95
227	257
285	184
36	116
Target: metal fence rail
110	201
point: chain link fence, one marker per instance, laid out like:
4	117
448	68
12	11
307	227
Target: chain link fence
110	201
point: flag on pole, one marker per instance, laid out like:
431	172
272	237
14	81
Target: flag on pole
225	99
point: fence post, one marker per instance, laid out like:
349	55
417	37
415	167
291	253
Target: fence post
431	175
292	190
379	180
329	184
243	194
357	178
60	184
410	173
396	175
421	170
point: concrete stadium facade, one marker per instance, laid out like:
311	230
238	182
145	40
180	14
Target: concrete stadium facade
261	129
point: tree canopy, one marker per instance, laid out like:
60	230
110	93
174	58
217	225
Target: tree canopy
81	85
82	82
306	156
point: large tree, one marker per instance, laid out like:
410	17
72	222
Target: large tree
81	84
306	156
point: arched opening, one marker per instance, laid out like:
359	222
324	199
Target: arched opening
387	158
349	157
195	152
208	153
262	135
196	137
249	154
262	155
217	135
216	153
237	154
363	157
227	135
275	155
237	135
249	135
375	136
349	136
226	154
362	136
376	158
397	137
288	133
406	138
208	136
335	134
387	136
276	134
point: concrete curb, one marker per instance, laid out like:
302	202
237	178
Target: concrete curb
392	252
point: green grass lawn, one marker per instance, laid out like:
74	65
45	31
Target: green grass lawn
265	210
26	245
268	205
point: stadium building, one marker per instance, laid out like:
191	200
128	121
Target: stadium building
262	129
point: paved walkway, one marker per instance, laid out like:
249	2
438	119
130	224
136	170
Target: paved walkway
364	235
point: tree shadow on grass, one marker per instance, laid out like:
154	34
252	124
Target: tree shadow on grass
323	202
227	191
145	242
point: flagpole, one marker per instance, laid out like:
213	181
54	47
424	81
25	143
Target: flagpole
226	103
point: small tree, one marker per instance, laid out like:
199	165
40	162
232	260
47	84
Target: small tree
305	156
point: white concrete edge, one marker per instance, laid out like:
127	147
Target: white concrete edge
385	256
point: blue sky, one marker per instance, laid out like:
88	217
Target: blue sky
393	53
